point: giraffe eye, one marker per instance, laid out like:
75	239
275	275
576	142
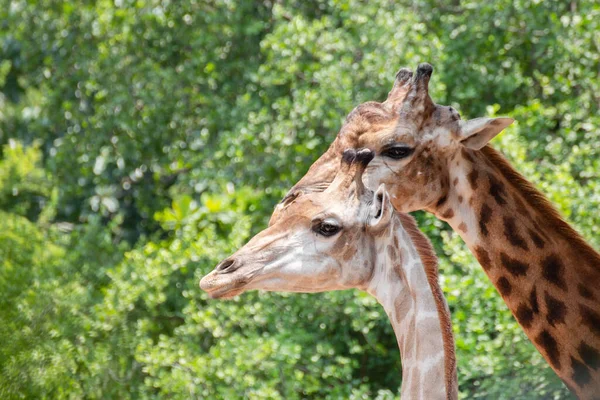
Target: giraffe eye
397	152
328	227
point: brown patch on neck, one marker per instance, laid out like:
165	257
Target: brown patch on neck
537	201
546	272
429	260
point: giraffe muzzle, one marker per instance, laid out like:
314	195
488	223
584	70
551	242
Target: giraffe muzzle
229	278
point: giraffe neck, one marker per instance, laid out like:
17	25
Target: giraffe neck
405	284
547	275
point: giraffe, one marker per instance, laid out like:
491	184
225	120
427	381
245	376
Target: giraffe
430	159
350	237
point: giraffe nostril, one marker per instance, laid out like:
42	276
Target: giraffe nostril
226	265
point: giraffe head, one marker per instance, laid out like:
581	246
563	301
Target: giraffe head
321	242
414	141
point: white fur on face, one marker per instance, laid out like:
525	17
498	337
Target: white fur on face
375	173
304	265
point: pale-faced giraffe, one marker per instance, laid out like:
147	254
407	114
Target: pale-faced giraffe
430	159
350	237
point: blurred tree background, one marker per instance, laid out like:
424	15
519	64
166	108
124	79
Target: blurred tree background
142	141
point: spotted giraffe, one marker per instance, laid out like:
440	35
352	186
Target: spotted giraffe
430	159
350	237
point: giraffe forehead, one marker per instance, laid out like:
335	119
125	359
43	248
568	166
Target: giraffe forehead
444	115
372	125
406	132
366	134
314	205
363	121
300	212
382	136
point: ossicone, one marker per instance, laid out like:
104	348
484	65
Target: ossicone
410	92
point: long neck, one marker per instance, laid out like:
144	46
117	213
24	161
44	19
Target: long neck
545	272
408	290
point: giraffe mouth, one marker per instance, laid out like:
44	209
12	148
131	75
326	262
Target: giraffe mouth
225	293
224	286
221	291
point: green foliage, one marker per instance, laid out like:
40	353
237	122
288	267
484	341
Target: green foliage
23	183
145	140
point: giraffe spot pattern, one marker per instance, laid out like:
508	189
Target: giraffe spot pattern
524	315
581	374
449	213
512	234
472	178
402	306
460	199
441	201
392	252
455	182
466	155
537	240
504	286
533	301
483	257
585	292
515	267
484	217
521	209
590	318
553	271
463	227
589	355
497	190
547	342
556	310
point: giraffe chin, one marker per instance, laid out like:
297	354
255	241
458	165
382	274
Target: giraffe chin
225	289
226	293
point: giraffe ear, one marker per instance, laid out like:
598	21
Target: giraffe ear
476	133
381	209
